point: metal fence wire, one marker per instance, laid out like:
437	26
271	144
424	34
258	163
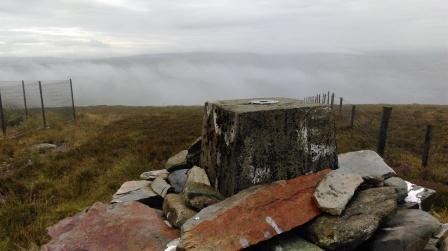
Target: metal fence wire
35	104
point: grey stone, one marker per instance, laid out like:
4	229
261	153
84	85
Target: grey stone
200	195
290	241
335	191
197	175
176	211
177	179
161	187
43	147
408	230
400	186
358	222
194	152
152	175
419	197
244	143
178	161
366	163
442	238
144	195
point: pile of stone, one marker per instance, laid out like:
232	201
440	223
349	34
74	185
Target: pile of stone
261	177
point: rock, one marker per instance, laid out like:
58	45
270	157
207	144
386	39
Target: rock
290	241
366	163
177	179
152	175
160	186
442	238
199	195
197	175
408	230
172	245
43	147
178	161
419	197
121	226
176	211
335	191
249	142
137	191
358	222
400	186
194	152
253	215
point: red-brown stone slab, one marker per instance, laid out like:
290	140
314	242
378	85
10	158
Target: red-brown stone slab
120	226
253	215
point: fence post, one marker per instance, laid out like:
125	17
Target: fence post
340	105
328	98
73	100
427	145
352	118
332	100
44	119
383	130
24	99
2	116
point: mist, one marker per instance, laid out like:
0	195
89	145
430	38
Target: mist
193	78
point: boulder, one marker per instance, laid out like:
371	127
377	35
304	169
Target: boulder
248	142
419	197
194	152
407	230
176	211
200	195
335	191
152	175
197	175
400	186
121	226
161	187
290	241
137	191
178	161
43	147
177	179
366	163
442	238
358	222
253	215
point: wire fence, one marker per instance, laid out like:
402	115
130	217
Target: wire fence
414	135
26	105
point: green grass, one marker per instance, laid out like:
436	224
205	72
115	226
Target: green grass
109	145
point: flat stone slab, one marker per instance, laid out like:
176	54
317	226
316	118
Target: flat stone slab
253	215
144	195
130	186
152	175
366	163
357	224
335	191
116	227
251	141
176	211
161	187
178	161
290	241
409	229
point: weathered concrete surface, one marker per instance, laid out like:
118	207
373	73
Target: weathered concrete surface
121	226
178	161
200	195
253	215
335	191
366	163
358	222
246	144
176	211
408	230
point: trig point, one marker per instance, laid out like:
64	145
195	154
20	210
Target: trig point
254	141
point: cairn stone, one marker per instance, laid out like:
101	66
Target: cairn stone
161	187
400	186
177	179
152	175
176	211
249	142
178	161
357	224
137	191
194	152
335	191
197	175
290	241
200	195
253	215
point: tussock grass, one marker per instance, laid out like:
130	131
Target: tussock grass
110	145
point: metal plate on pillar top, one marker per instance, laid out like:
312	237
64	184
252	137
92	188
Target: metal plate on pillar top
263	102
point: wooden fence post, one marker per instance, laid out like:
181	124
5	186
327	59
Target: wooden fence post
425	156
24	99
383	130
340	105
328	98
352	118
73	100
332	100
2	116
44	119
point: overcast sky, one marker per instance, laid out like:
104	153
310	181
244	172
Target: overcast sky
90	28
